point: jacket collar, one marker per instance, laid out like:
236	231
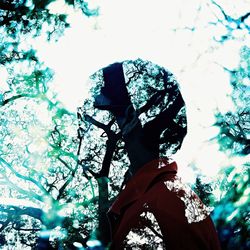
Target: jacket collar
140	182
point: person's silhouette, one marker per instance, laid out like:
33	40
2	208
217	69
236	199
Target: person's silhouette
153	184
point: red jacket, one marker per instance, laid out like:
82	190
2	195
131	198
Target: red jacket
183	219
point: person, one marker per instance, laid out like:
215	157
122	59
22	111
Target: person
152	184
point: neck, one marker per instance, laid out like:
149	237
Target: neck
138	145
138	152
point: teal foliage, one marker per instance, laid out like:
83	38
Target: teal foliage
39	164
204	191
234	136
232	213
41	154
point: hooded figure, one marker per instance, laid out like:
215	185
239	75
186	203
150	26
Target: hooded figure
149	110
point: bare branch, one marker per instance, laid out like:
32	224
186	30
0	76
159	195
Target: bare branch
90	119
17	211
65	163
28	194
26	229
156	126
230	19
73	171
244	17
221	9
16	97
154	100
110	149
23	177
67	182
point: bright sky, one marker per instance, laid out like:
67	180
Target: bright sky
131	29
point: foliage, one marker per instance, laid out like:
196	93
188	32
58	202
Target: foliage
235	126
40	170
52	169
154	93
204	191
22	17
232	212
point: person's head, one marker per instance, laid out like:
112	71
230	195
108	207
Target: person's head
143	88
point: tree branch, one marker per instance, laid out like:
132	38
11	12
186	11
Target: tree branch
221	9
73	171
98	124
23	177
28	194
65	163
110	148
154	100
155	127
13	210
13	98
26	229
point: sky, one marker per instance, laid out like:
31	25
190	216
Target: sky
173	34
139	29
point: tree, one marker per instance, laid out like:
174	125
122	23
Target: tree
234	125
232	212
39	152
42	165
